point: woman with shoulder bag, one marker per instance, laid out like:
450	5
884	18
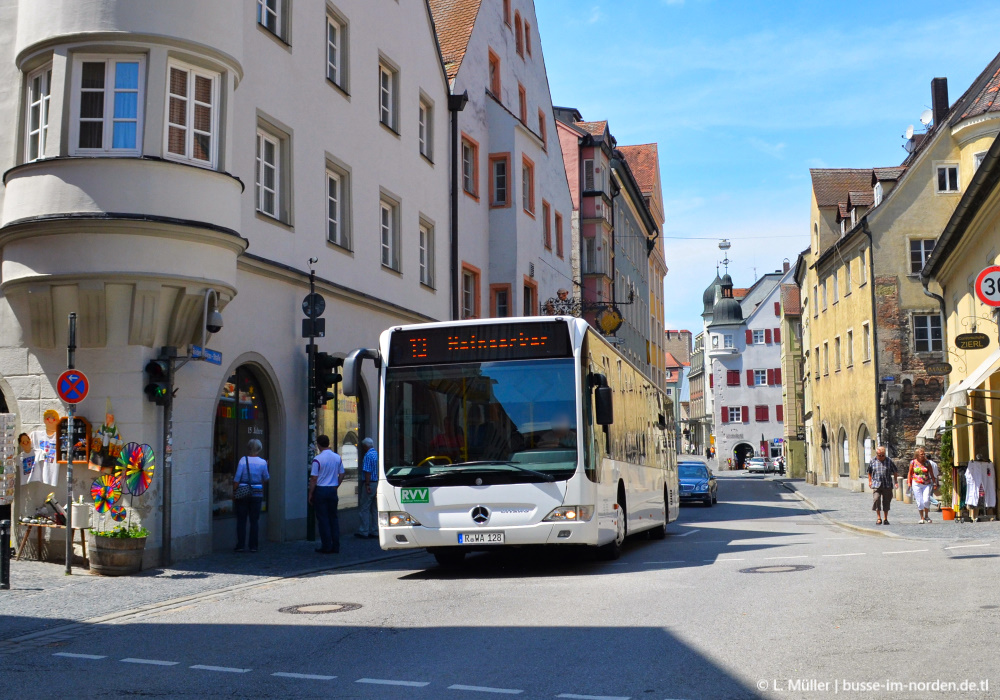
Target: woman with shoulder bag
921	481
248	494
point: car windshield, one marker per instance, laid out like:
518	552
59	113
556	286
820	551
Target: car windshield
481	423
692	472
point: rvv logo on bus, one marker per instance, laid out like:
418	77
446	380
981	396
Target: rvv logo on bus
415	495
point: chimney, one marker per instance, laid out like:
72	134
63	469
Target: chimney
939	100
785	265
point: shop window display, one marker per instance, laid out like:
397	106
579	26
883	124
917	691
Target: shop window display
343	417
240	416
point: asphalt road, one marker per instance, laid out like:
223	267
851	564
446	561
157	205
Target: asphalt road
755	597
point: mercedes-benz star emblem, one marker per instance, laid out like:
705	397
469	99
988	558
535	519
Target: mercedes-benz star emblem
480	515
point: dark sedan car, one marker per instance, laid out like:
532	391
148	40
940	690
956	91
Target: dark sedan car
697	483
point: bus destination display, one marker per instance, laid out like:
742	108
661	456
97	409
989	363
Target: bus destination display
486	343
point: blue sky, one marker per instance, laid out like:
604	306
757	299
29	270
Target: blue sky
744	97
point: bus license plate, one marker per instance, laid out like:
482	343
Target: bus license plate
480	538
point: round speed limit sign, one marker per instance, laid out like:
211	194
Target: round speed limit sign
988	286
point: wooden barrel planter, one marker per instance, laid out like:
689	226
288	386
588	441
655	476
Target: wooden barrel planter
115	556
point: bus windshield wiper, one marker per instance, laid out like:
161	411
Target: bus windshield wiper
515	465
466	467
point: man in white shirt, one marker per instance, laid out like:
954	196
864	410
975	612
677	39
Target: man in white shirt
324	479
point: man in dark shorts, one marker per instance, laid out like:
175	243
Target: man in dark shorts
881	473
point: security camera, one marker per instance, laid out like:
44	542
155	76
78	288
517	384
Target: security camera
213	324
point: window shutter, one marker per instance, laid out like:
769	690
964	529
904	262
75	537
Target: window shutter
779	413
749	377
764	414
749	337
777	308
711	381
733	377
770	377
746	414
777	335
725	414
777	376
767	336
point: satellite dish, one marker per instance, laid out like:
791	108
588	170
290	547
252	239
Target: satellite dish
926	117
909	146
909	132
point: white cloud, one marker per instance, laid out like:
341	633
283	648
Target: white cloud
595	15
775	150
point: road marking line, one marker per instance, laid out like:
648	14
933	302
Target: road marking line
728	559
674	561
689	532
485	689
221	669
964	546
594	697
68	655
790	556
853	554
906	551
151	662
380	681
305	676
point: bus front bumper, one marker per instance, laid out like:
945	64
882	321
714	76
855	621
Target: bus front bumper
418	536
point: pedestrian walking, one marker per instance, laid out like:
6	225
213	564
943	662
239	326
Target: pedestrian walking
324	479
367	490
248	494
921	480
881	472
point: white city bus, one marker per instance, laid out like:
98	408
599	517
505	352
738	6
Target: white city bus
515	432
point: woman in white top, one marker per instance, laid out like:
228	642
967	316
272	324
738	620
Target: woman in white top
251	470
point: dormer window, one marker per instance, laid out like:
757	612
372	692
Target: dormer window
878	193
854	216
843	226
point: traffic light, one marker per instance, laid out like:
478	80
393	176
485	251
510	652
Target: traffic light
326	376
158	381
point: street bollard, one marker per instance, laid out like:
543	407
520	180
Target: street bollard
5	554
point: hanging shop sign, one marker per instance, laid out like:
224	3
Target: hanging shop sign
937	369
972	341
988	286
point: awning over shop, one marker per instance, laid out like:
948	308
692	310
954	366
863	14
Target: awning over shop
957	396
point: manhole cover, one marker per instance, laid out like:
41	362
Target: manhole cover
776	569
320	608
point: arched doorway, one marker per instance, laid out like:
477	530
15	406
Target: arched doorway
242	414
866	450
843	453
741	455
824	446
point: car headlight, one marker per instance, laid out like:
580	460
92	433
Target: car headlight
569	514
395	518
703	486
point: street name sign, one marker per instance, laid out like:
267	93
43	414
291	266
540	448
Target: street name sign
988	286
72	386
206	354
937	369
972	341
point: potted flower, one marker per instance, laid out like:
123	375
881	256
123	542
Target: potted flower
117	552
945	482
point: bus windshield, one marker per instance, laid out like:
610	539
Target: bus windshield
480	423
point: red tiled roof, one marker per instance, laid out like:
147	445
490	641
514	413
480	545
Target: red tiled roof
740	292
453	22
863	198
887	174
593	128
986	100
644	160
672	361
831	185
843	212
791	300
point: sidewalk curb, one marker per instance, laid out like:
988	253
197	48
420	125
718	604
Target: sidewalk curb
140	610
839	523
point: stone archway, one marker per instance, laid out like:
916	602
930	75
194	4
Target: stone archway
742	454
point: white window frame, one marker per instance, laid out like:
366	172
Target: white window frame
878	192
425	246
926	320
505	291
425	128
836	287
108	118
947	165
847	277
264	137
341	236
468	294
470	157
335	45
850	347
826	358
836	353
495	178
866	339
735	414
758	337
863	267
760	377
727	340
270	8
41	100
388	86
191	103
389	233
977	160
924	253
823	294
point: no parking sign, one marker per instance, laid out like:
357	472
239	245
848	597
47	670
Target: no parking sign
72	386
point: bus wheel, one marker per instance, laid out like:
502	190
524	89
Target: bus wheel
613	549
449	557
660	531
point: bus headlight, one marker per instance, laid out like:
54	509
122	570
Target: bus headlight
569	514
395	518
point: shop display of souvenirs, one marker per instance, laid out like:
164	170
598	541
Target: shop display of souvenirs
10	459
106	442
133	474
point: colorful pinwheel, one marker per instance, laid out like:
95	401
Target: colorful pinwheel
106	490
135	468
118	513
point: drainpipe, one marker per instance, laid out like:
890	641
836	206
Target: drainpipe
456	103
871	284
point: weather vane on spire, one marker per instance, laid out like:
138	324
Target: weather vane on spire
724	245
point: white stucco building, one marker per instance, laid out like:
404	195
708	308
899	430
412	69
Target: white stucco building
514	206
157	151
743	352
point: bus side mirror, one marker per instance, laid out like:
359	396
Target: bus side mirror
604	411
352	369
